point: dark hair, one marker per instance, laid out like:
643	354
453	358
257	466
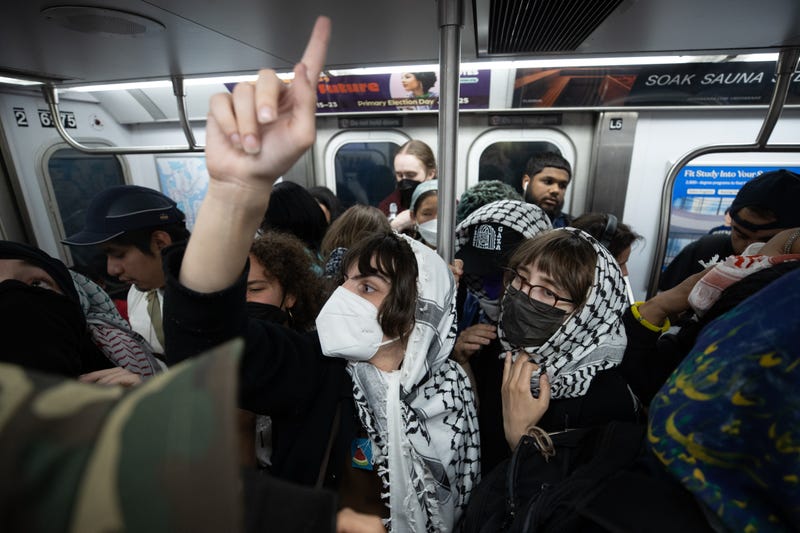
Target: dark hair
355	223
326	197
140	238
285	258
421	151
595	225
426	79
565	256
292	209
539	161
395	260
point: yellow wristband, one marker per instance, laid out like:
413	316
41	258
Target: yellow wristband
638	316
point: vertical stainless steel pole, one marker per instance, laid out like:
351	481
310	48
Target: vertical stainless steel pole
451	20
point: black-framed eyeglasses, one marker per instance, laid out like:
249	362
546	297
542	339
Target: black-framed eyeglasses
535	292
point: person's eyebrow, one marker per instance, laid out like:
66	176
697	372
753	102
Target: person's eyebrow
375	275
551	281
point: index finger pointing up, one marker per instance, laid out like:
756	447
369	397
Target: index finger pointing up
316	49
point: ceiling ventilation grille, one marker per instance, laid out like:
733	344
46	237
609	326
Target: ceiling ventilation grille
533	26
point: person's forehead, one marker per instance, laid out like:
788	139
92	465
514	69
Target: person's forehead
429	201
753	218
354	272
407	160
19	267
554	173
113	247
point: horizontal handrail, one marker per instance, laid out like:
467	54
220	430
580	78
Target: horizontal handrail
51	96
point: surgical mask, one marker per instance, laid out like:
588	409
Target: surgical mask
348	327
267	312
526	322
427	230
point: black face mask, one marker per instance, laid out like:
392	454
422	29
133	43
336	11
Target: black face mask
267	313
406	188
42	330
527	322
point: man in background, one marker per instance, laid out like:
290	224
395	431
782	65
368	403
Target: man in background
544	184
764	206
132	225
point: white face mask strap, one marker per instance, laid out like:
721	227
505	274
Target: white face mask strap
386	342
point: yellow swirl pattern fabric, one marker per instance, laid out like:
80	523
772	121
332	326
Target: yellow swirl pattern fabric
727	422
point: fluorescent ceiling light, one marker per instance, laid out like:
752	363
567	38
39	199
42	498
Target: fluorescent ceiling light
17	81
756	57
120	86
216	80
384	70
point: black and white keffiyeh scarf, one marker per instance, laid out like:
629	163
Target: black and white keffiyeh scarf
111	333
591	340
526	219
421	419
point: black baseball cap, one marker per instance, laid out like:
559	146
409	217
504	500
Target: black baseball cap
124	208
488	248
778	191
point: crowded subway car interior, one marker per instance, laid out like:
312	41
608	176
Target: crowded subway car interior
662	114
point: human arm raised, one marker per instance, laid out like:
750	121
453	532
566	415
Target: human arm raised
253	136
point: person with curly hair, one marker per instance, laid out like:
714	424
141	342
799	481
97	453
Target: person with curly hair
281	284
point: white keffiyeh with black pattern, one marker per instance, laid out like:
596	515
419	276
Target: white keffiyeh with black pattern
421	419
591	340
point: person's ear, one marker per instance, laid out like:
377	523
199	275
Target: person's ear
159	240
289	300
525	180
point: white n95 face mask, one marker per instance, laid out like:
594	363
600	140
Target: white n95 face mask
427	230
348	327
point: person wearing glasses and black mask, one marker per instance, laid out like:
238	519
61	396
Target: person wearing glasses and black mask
562	334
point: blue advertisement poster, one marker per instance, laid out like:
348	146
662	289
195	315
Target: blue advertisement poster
700	197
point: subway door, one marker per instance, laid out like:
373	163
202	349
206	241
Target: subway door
502	153
52	182
359	164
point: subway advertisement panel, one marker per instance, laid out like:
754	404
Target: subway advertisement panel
689	84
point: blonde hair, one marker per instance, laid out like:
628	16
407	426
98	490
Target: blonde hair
353	225
421	151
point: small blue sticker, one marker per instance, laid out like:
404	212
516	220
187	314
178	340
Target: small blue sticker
361	453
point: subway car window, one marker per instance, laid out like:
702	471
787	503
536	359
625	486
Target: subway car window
75	178
365	172
506	160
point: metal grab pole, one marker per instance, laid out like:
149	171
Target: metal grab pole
451	20
784	70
